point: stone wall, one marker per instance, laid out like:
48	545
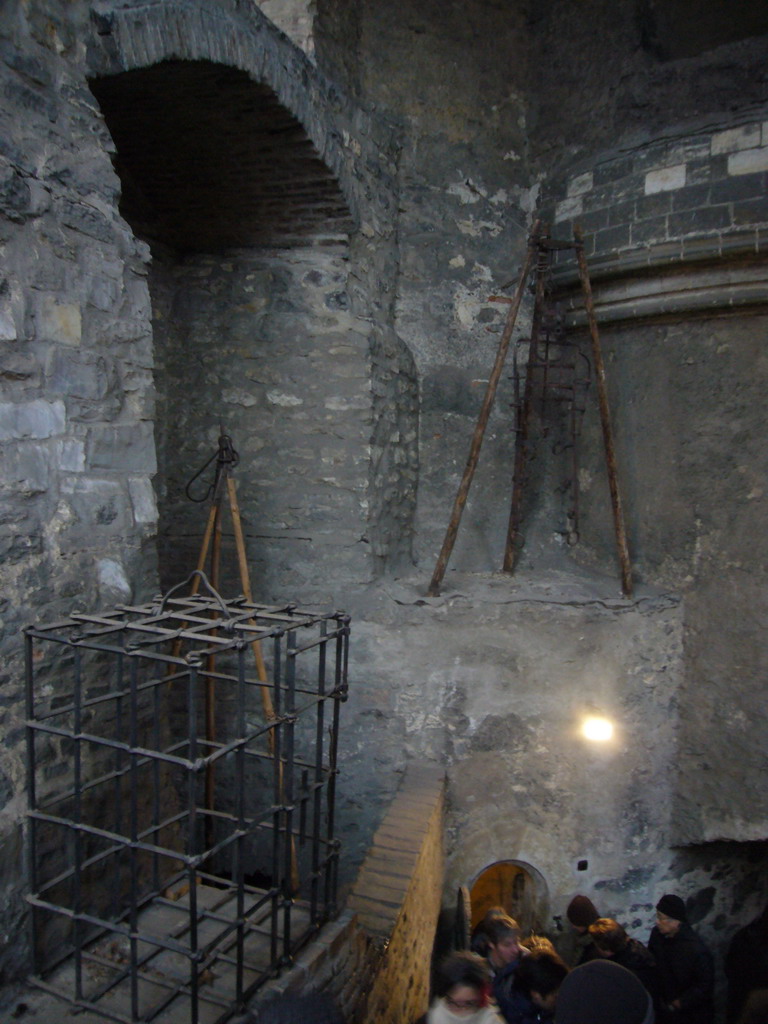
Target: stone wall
676	229
693	196
78	408
263	346
78	455
689	398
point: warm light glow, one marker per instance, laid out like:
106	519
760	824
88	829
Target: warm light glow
597	729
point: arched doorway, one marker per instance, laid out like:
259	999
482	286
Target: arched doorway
516	887
253	331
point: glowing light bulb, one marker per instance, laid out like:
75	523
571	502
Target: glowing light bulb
597	729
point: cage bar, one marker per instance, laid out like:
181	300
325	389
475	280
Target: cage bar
180	853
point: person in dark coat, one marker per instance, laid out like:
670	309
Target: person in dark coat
539	977
504	956
746	963
612	942
686	967
479	941
581	913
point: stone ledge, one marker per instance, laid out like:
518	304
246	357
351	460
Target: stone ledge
692	276
699	286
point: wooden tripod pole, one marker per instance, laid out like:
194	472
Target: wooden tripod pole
266	697
213	534
482	419
605	419
523	426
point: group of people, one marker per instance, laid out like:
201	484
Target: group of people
604	977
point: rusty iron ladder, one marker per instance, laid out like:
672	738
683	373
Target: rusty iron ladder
537	262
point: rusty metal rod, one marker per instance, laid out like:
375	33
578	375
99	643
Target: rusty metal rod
605	419
482	420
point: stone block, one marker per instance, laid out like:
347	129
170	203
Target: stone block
664	179
650	157
734	139
113	582
35	419
617	191
97	504
124	448
58	321
69	455
7	327
18	365
16	548
656	205
79	374
748	161
687	150
621	213
612	170
103	291
691	197
612	238
718	166
143	500
711	218
377	885
398	839
751	211
569	208
580	184
594	220
701	248
15	194
745	186
26	468
698	171
88	220
382	864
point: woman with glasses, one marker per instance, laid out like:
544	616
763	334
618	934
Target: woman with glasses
464	987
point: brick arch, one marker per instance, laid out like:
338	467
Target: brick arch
210	161
140	33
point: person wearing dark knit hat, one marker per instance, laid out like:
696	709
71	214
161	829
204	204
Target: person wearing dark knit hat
685	965
578	948
672	906
601	991
581	912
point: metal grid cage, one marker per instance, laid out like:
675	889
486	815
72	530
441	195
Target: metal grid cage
181	776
